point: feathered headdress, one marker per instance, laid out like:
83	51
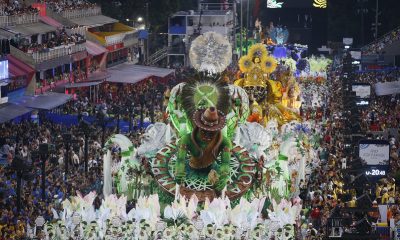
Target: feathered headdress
204	91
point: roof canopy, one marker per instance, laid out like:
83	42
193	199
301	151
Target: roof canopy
129	73
9	111
94	49
82	84
46	101
32	29
93	21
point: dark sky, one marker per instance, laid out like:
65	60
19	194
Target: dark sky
343	18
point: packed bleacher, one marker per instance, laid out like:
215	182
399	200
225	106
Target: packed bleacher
23	140
14	8
378	46
376	76
328	190
384	111
62	5
61	38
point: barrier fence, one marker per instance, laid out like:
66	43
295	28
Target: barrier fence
57	52
79	13
6	21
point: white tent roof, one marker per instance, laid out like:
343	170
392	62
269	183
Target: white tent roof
129	73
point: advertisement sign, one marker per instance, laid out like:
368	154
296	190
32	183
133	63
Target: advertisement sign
323	4
387	88
376	155
362	90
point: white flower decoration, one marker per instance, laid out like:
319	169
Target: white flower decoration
210	52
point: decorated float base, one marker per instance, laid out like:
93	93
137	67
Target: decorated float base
242	173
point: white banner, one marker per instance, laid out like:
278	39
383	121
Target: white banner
387	88
383	212
374	154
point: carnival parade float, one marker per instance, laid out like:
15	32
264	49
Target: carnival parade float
228	163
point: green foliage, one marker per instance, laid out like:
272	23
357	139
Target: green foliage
275	195
163	196
181	219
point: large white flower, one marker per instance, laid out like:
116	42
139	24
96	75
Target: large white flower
210	52
246	214
116	205
284	213
182	208
215	213
147	208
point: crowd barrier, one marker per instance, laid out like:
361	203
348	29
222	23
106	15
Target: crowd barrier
13	20
56	52
79	13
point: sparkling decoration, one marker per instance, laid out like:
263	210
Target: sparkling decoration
210	52
268	64
246	63
258	50
289	63
320	3
280	35
303	65
274	4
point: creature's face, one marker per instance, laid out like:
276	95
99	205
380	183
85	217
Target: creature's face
207	136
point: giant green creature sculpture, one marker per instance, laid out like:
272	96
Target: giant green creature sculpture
204	113
204	144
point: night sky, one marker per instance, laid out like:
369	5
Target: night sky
342	18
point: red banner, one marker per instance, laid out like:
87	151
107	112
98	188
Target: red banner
41	7
115	47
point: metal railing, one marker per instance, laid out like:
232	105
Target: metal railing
224	30
57	52
157	56
78	13
48	54
78	30
382	38
6	21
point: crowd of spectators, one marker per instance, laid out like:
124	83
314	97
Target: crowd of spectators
330	188
60	38
326	192
14	8
63	5
378	46
23	140
144	101
375	76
